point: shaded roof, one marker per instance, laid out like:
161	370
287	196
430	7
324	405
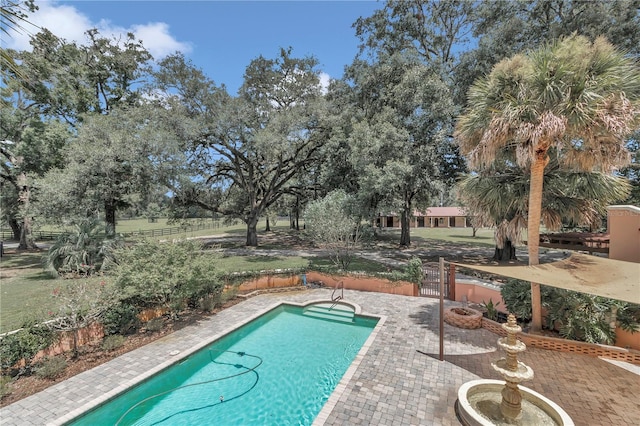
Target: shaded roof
445	211
434	212
598	276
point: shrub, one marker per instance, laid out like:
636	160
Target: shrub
574	315
80	305
166	274
121	319
154	325
517	298
413	272
51	367
628	316
83	251
490	308
113	342
209	302
582	317
24	344
5	385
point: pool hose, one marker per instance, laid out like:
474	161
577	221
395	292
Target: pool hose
222	399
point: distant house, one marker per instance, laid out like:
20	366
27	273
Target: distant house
434	217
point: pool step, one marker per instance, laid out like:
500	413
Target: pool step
327	312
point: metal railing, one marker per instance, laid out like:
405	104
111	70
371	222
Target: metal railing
339	285
430	286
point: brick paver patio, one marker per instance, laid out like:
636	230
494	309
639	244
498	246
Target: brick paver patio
399	381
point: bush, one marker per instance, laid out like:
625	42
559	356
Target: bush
154	325
113	342
5	385
167	274
574	315
413	272
83	251
490	309
51	367
517	298
583	317
121	319
24	344
80	305
209	302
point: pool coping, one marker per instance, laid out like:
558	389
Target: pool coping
341	387
178	356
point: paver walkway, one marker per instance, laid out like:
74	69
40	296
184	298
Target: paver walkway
399	381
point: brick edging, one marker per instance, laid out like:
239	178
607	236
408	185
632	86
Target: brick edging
564	345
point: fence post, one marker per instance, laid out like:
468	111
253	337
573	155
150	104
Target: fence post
452	281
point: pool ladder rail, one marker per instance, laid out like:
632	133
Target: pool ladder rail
335	297
329	312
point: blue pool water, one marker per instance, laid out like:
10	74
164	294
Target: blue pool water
278	369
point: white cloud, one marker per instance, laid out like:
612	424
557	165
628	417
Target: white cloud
325	79
157	40
68	23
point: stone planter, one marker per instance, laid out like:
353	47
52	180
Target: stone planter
463	317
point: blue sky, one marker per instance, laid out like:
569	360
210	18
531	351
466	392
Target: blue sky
221	37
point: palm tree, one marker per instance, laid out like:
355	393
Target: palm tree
578	97
88	248
13	15
498	196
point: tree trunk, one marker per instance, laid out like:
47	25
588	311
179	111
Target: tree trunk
252	231
405	232
268	227
505	254
16	229
110	217
26	238
533	232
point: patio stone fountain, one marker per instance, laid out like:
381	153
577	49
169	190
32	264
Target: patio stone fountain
495	402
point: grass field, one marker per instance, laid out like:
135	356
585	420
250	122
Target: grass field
26	290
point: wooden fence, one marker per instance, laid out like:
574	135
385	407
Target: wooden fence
7	235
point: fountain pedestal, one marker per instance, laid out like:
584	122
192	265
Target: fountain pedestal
493	402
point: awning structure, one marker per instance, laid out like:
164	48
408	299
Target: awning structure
614	279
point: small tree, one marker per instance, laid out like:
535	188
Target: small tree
331	224
80	305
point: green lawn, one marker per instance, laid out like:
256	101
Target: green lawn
260	263
26	291
421	236
28	297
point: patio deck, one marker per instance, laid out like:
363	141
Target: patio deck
399	381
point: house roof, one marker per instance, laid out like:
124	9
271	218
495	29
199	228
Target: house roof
598	276
434	212
445	211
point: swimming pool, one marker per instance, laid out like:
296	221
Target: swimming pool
278	369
